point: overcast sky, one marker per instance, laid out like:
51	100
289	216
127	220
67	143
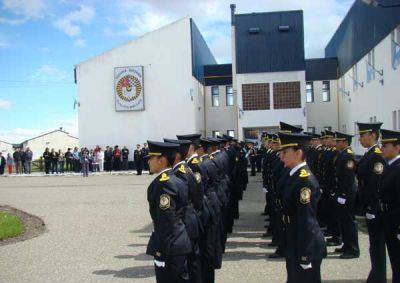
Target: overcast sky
42	40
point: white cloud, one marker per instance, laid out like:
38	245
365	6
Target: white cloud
4	104
18	135
321	19
24	9
80	42
4	45
49	73
45	49
70	23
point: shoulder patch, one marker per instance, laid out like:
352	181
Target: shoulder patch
195	161
304	173
378	150
350	164
349	151
164	177
305	195
165	201
197	175
182	169
378	168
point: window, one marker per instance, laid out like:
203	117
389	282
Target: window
287	95
311	130
344	128
310	92
255	97
231	133
326	91
394	120
229	96
215	96
329	128
372	119
355	78
370	66
395	36
398	120
215	133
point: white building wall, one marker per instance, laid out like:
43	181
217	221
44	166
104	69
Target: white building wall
272	117
220	118
171	95
321	114
374	99
57	140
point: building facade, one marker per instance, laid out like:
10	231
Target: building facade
173	59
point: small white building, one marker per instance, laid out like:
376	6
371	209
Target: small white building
169	96
58	139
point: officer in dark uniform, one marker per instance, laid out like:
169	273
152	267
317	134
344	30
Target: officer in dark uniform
345	167
305	241
191	218
252	154
328	183
369	173
138	158
389	197
169	243
312	154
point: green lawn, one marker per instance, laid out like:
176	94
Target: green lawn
10	225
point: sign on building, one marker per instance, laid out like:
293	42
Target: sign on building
129	88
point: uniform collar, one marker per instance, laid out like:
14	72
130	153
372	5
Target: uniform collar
204	155
295	169
369	149
391	161
345	149
179	163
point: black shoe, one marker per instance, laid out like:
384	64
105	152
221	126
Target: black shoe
266	235
263	214
340	250
275	255
333	243
349	256
272	244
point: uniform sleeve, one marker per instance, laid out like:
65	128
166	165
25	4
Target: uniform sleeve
304	227
347	179
166	217
376	167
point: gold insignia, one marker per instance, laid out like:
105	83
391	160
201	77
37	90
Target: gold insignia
197	175
378	150
334	159
350	164
305	195
165	201
164	177
304	173
304	258
236	159
378	168
195	161
158	254
182	169
211	157
201	159
349	151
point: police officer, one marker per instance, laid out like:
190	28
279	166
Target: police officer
369	172
191	218
389	197
345	167
252	155
169	243
138	158
305	241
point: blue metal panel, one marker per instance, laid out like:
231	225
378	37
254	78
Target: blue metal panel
321	69
276	46
363	28
218	74
201	54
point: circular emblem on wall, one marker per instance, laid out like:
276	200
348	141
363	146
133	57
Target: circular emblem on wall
128	88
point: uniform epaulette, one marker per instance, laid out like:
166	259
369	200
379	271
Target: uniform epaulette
195	161
182	169
304	173
164	177
378	150
349	151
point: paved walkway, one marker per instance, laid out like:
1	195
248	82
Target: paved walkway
98	228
